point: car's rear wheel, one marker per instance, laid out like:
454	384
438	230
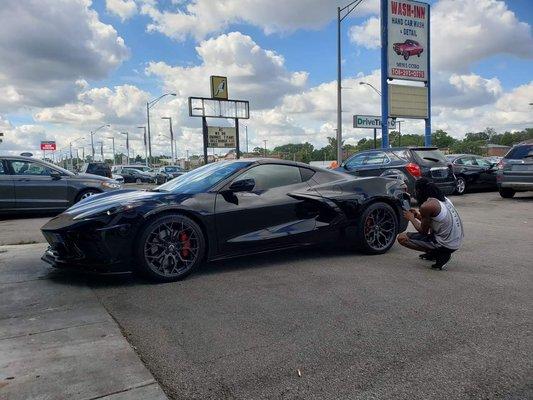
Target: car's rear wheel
406	56
86	193
377	228
507	193
460	186
138	181
170	248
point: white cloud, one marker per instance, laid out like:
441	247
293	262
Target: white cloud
47	46
122	8
462	33
367	35
202	17
253	73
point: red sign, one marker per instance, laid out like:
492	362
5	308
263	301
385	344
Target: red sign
48	145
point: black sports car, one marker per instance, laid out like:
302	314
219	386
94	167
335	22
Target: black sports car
225	209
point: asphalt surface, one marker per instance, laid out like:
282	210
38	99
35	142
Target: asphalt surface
325	323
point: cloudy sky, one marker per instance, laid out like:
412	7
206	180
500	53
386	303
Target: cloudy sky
69	66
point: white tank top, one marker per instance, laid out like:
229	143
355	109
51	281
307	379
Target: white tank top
447	226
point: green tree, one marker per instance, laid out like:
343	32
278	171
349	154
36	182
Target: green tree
441	138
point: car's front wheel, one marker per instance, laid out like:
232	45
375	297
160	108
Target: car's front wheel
406	56
86	193
377	228
460	186
138	181
170	248
507	193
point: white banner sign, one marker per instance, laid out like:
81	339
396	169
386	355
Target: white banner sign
408	29
371	121
221	137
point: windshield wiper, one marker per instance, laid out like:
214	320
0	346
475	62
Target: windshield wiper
431	159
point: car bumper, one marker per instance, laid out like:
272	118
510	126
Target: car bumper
106	249
516	182
446	187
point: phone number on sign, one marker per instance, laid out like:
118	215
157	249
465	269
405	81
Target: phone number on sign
407	73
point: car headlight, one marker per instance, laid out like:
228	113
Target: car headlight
110	185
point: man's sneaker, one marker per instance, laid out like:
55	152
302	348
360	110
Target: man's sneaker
442	260
430	256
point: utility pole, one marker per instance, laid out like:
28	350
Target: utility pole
246	129
127	145
171	138
347	10
265	141
150	104
145	145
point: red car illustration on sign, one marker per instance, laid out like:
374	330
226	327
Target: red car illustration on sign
408	48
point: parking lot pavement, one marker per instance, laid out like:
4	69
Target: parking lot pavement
57	341
357	327
22	230
326	323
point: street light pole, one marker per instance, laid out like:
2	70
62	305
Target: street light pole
265	141
246	129
145	145
150	104
127	145
92	138
347	10
171	139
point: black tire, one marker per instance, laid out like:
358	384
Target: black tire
164	254
507	193
386	230
138	181
86	193
406	56
460	186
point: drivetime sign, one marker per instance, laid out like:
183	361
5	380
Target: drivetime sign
48	145
371	121
408	28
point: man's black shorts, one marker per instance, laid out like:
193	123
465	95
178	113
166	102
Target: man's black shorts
424	241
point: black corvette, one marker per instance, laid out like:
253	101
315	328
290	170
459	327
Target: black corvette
225	209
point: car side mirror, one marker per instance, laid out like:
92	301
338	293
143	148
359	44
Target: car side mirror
243	185
55	175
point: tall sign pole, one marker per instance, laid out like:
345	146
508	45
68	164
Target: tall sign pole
384	73
427	137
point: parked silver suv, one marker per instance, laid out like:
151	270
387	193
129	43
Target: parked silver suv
28	184
515	170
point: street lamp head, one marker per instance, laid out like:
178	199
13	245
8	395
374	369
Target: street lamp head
173	94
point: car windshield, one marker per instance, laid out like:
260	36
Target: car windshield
204	178
520	152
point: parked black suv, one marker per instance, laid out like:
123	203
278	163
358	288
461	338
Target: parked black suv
97	168
515	170
405	163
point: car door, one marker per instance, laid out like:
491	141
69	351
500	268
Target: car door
265	217
487	175
35	189
471	171
7	188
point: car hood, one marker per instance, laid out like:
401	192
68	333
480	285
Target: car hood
83	176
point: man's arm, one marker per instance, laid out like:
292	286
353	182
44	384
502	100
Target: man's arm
428	210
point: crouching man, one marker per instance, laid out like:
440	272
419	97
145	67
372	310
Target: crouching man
439	227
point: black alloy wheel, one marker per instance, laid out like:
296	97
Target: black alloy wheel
138	181
378	227
170	248
460	186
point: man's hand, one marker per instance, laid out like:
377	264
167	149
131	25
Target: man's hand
409	215
416	213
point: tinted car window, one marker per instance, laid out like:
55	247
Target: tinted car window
376	158
306	174
29	168
270	176
519	152
459	161
356	160
483	163
2	170
403	154
433	155
469	161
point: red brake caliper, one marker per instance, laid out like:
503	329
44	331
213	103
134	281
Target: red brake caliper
185	244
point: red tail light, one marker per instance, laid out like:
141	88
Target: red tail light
414	170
